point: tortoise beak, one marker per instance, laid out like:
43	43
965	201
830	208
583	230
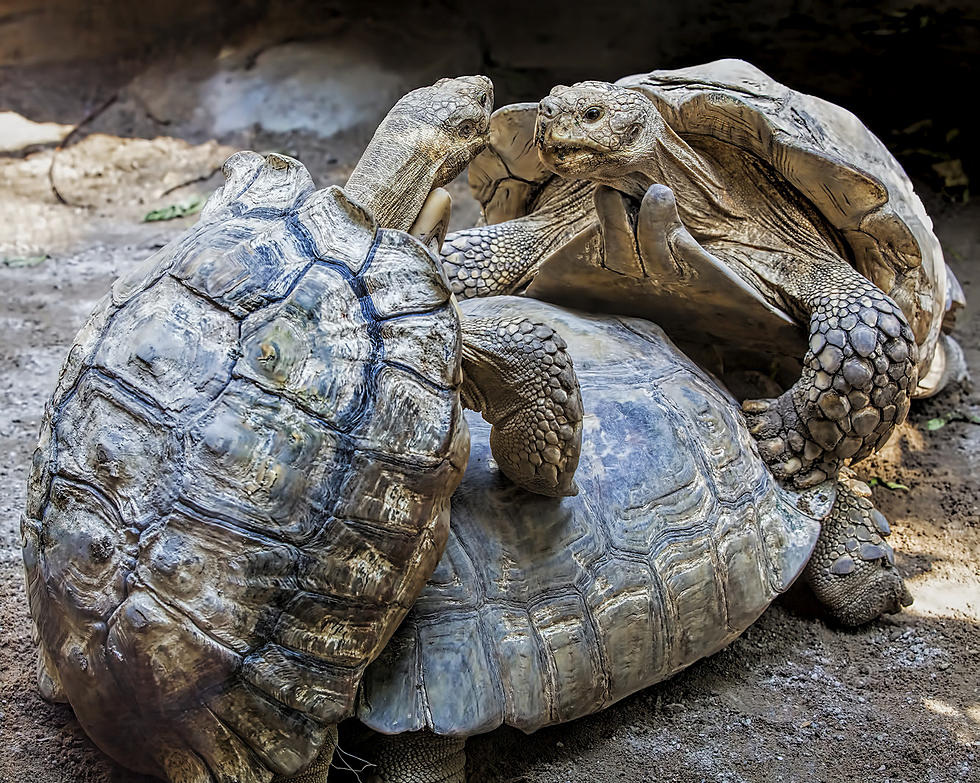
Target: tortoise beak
555	134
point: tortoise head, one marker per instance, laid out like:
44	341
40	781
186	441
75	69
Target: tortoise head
453	116
596	131
427	138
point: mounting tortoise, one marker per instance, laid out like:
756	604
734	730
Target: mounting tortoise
788	211
243	476
543	610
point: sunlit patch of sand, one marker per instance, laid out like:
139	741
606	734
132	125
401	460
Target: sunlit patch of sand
949	590
966	722
110	183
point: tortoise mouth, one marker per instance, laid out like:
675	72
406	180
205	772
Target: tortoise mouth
565	157
562	152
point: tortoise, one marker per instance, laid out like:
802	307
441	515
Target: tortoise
243	477
544	610
788	211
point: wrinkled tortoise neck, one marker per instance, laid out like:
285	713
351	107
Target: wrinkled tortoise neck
404	162
669	160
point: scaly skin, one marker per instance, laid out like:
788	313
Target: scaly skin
860	370
852	568
501	258
519	376
858	376
427	138
514	373
419	757
319	770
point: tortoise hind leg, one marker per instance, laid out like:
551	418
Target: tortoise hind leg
852	568
420	757
858	375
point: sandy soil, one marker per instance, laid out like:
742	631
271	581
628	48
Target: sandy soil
795	698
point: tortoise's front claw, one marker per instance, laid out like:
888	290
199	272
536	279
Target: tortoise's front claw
877	589
857	375
791	455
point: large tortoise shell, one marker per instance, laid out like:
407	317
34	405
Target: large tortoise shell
543	609
243	479
832	158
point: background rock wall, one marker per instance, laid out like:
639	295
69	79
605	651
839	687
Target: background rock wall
297	71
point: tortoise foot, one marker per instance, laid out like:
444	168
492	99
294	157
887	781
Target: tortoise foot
785	442
852	570
503	258
858	374
518	374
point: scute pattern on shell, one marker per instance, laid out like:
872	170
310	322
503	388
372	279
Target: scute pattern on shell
543	610
227	516
507	175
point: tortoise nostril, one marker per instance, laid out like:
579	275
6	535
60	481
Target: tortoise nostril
548	108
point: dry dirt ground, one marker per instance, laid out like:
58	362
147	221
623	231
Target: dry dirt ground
795	698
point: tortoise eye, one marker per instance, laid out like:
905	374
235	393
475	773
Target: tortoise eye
592	114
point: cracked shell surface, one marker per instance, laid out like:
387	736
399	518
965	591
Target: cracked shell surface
543	609
222	530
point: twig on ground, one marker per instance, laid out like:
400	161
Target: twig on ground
202	178
68	139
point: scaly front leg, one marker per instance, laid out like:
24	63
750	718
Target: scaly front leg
852	570
502	258
519	376
858	375
419	757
